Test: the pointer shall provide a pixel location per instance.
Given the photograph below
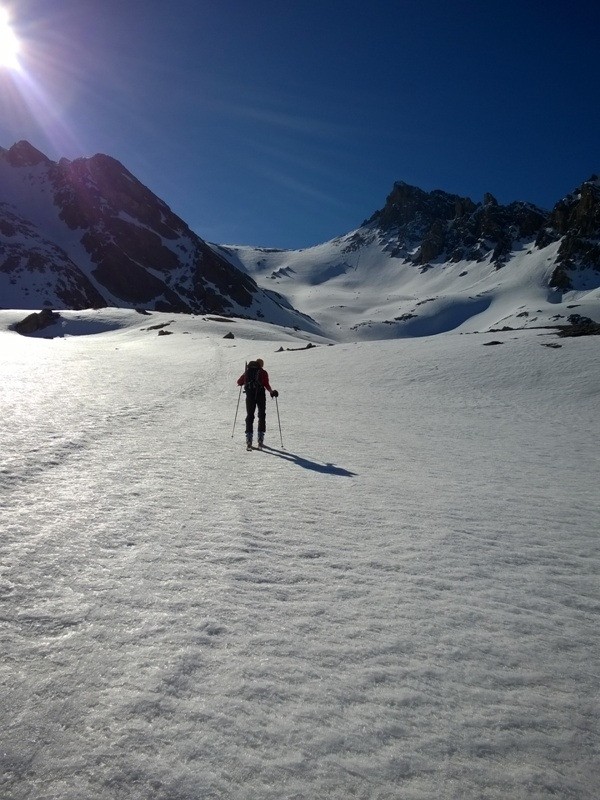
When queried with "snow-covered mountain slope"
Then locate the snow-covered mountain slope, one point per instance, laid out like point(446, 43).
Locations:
point(362, 292)
point(433, 262)
point(87, 233)
point(401, 602)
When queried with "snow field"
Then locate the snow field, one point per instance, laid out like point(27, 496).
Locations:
point(403, 602)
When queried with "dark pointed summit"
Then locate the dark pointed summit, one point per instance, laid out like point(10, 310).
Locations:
point(23, 154)
point(407, 205)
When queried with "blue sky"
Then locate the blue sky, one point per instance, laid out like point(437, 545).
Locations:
point(285, 125)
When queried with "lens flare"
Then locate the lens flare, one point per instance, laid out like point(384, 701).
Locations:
point(9, 44)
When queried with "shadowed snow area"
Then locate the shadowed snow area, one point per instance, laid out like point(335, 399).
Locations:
point(401, 600)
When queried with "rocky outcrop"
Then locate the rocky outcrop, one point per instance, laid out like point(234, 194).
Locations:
point(139, 246)
point(36, 322)
point(492, 230)
point(419, 220)
point(575, 221)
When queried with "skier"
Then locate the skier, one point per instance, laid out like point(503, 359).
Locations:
point(255, 381)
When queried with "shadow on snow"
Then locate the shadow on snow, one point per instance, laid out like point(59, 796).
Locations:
point(328, 469)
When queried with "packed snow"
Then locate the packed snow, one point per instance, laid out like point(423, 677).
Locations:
point(398, 599)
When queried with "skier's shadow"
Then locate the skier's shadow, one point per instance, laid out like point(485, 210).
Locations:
point(328, 469)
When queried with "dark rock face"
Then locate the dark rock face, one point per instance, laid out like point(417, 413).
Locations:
point(419, 219)
point(575, 221)
point(493, 228)
point(408, 205)
point(431, 225)
point(115, 242)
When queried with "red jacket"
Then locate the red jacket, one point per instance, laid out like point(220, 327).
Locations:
point(263, 376)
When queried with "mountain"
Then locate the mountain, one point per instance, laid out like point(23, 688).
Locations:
point(428, 262)
point(86, 233)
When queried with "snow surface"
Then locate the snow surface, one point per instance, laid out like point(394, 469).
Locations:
point(355, 288)
point(400, 603)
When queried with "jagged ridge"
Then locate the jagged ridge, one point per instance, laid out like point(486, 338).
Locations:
point(429, 226)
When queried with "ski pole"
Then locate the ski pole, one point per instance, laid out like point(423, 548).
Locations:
point(279, 421)
point(236, 412)
point(238, 402)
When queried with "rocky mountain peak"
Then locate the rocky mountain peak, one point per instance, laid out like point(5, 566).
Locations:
point(407, 205)
point(579, 210)
point(23, 154)
point(425, 227)
point(119, 244)
point(489, 200)
point(437, 225)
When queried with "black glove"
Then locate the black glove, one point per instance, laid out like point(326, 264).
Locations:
point(274, 393)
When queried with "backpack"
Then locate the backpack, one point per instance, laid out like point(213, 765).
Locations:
point(253, 384)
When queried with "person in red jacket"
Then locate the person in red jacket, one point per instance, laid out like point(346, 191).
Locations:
point(255, 381)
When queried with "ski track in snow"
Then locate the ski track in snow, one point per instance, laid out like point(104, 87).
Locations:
point(403, 603)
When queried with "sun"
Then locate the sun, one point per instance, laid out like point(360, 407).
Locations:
point(9, 44)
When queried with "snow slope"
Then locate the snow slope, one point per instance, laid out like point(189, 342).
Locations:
point(402, 602)
point(356, 289)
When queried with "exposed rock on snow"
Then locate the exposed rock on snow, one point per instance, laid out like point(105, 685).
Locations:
point(580, 326)
point(36, 322)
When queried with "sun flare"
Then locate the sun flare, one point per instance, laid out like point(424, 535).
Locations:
point(9, 44)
